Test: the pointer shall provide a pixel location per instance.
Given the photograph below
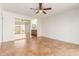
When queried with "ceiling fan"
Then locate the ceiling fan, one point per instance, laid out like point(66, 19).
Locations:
point(41, 9)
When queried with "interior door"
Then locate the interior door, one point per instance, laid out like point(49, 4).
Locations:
point(27, 30)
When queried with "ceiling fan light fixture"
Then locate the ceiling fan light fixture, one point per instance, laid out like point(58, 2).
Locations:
point(40, 11)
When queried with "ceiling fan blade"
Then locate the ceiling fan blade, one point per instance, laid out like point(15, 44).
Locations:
point(47, 8)
point(40, 6)
point(44, 12)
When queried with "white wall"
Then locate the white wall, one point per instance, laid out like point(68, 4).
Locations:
point(64, 26)
point(39, 27)
point(9, 24)
point(0, 25)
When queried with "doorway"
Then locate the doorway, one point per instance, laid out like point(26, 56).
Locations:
point(22, 29)
point(34, 28)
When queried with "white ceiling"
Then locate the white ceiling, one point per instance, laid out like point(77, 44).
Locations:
point(24, 8)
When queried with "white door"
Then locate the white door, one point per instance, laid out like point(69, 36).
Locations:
point(27, 30)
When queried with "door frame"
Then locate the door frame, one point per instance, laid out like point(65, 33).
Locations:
point(26, 20)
